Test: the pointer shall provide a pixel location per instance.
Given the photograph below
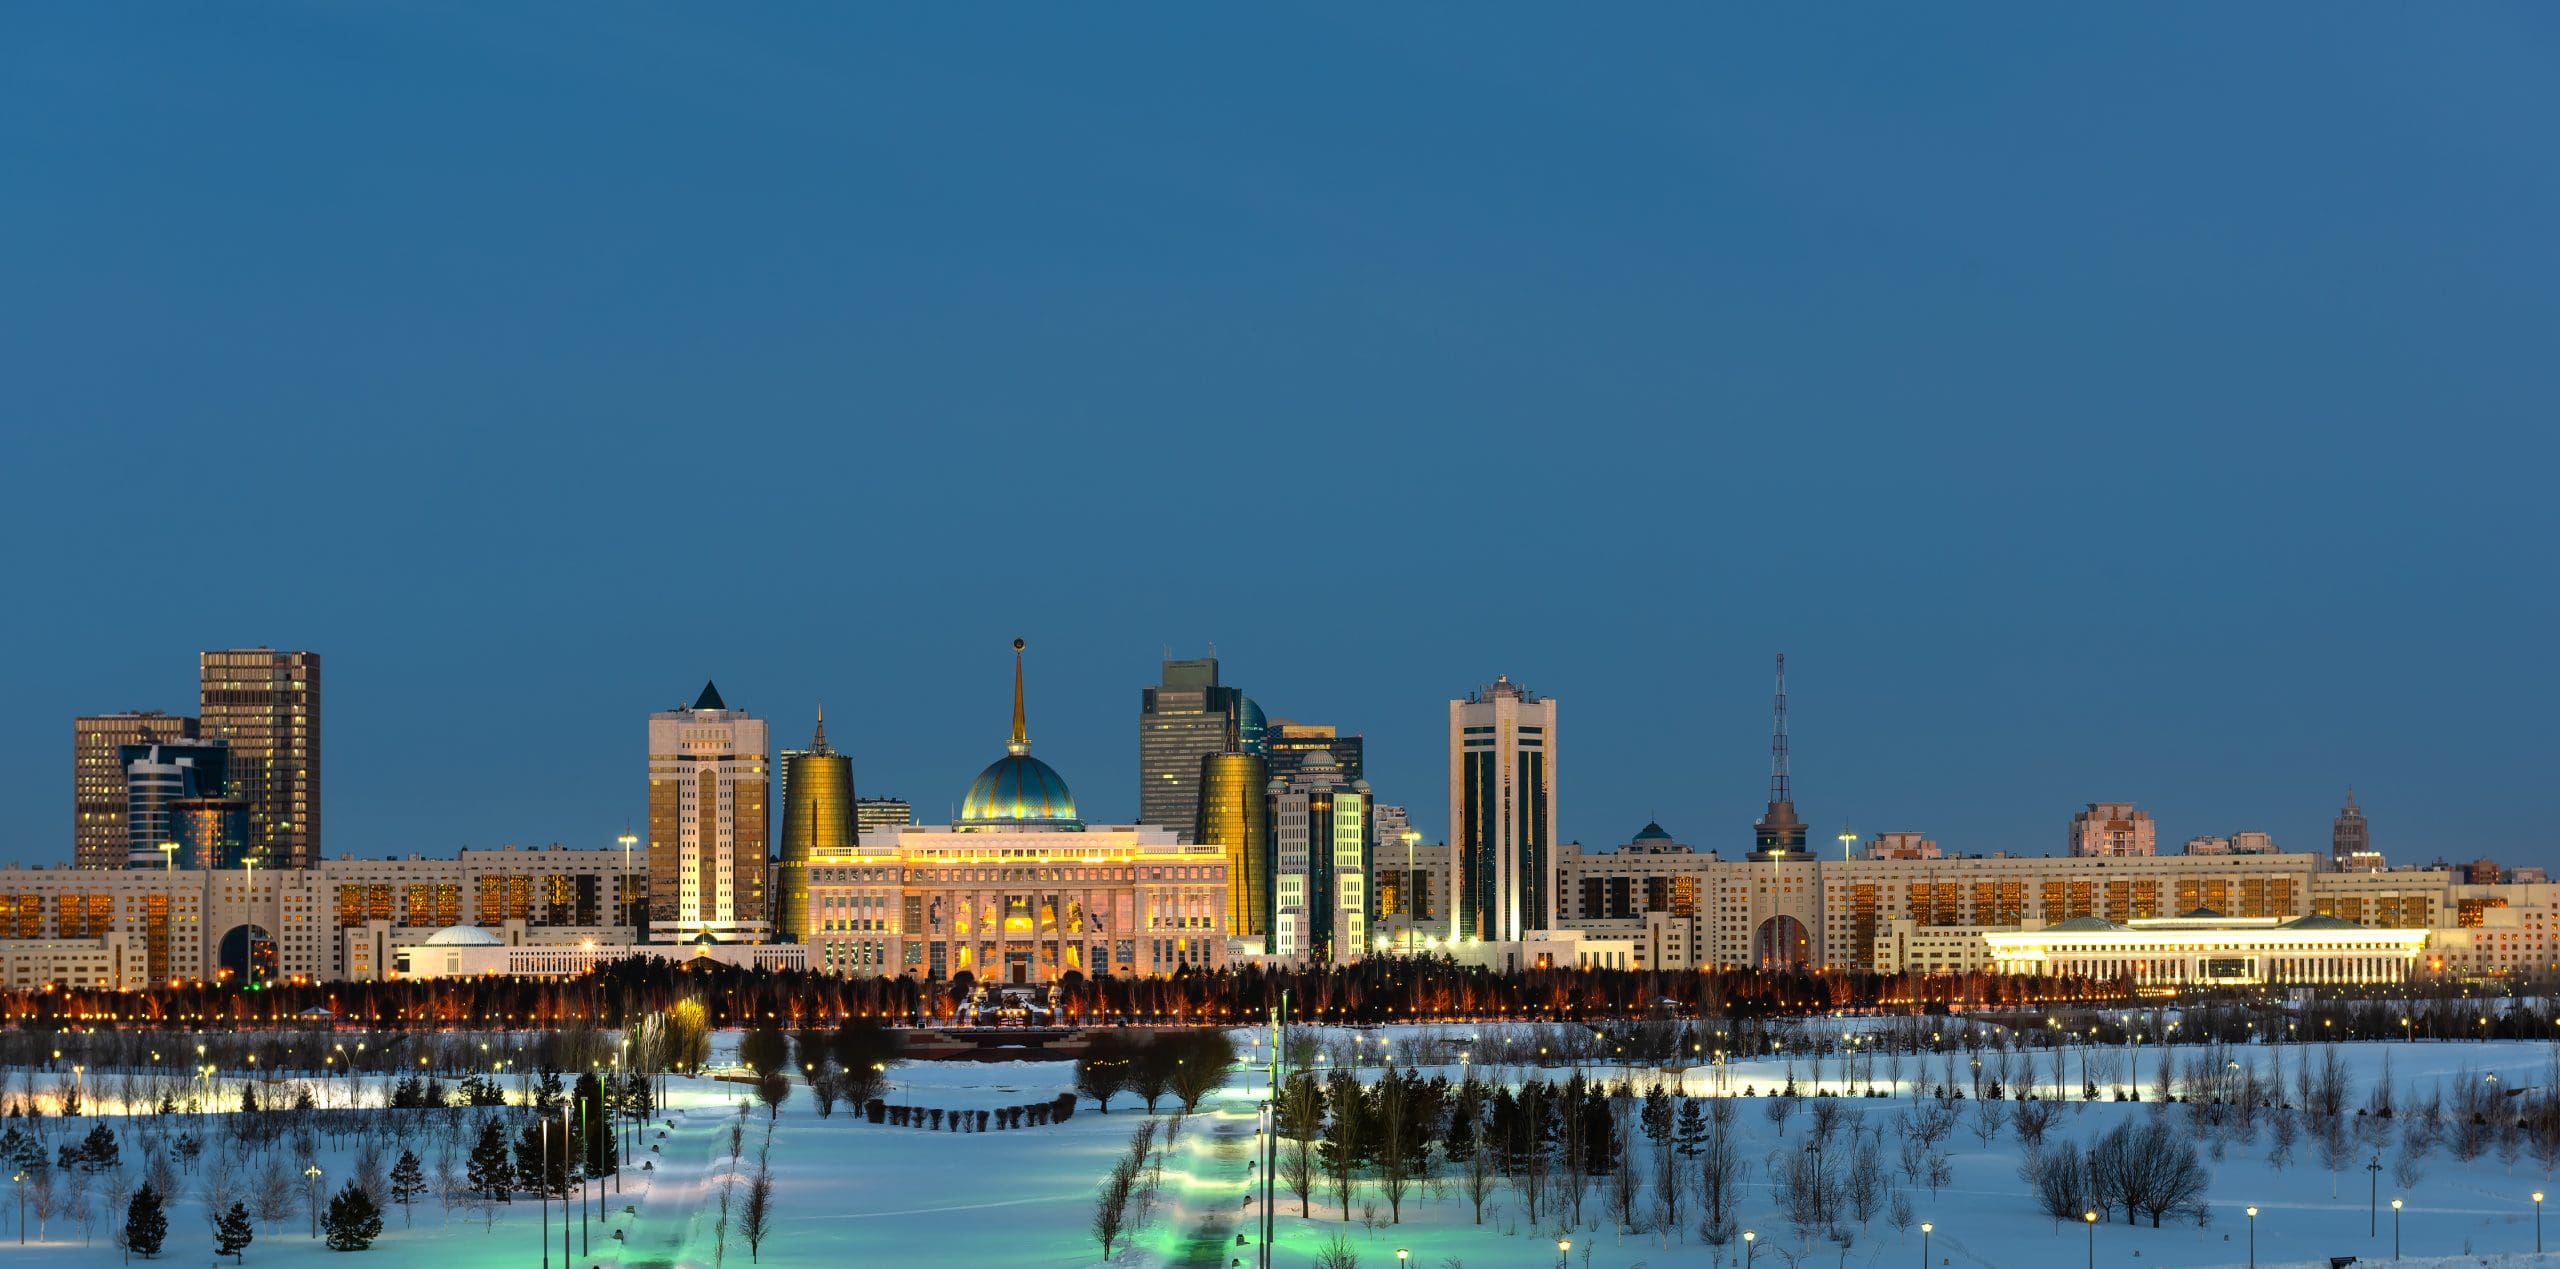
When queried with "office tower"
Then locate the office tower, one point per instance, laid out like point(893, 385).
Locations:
point(1320, 863)
point(817, 823)
point(267, 705)
point(1779, 831)
point(1502, 810)
point(210, 832)
point(2351, 840)
point(873, 814)
point(1289, 744)
point(708, 784)
point(2112, 830)
point(1398, 891)
point(1180, 721)
point(98, 838)
point(1235, 816)
point(156, 775)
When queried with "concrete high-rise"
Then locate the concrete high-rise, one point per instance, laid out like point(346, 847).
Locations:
point(1290, 743)
point(1320, 864)
point(1235, 817)
point(2351, 840)
point(817, 822)
point(870, 815)
point(98, 798)
point(1502, 811)
point(1180, 721)
point(267, 705)
point(709, 782)
point(2113, 830)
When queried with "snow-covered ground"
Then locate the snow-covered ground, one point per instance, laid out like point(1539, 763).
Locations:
point(850, 1193)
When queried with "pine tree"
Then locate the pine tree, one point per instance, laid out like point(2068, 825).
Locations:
point(546, 1091)
point(98, 1149)
point(146, 1224)
point(1656, 1117)
point(408, 1182)
point(232, 1233)
point(353, 1221)
point(488, 1171)
point(1689, 1136)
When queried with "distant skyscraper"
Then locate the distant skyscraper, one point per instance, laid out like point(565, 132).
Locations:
point(2113, 829)
point(817, 822)
point(1235, 815)
point(1779, 830)
point(2351, 840)
point(156, 776)
point(1405, 882)
point(267, 704)
point(1502, 811)
point(1290, 743)
point(870, 814)
point(211, 832)
point(1181, 721)
point(98, 780)
point(708, 789)
point(1321, 857)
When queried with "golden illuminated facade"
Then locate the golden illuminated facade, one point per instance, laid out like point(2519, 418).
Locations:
point(1234, 818)
point(267, 705)
point(708, 782)
point(817, 822)
point(2207, 949)
point(1019, 890)
point(98, 791)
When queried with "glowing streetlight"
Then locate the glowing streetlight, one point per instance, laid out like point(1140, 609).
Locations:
point(2253, 1238)
point(2090, 1218)
point(1750, 1244)
point(2395, 1229)
point(1925, 1228)
point(1563, 1245)
point(311, 1178)
point(2537, 1222)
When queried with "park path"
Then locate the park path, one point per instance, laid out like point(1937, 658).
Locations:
point(676, 1188)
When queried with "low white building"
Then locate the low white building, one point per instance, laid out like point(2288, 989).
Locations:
point(470, 951)
point(2206, 949)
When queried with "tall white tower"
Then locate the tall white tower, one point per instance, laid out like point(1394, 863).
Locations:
point(1502, 812)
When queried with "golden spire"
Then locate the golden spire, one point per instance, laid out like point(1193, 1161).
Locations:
point(1021, 742)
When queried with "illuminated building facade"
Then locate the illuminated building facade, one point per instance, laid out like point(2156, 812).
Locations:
point(2113, 830)
point(1019, 889)
point(99, 799)
point(1290, 744)
point(1236, 818)
point(1502, 811)
point(1182, 720)
point(2207, 949)
point(817, 820)
point(1320, 863)
point(267, 705)
point(709, 781)
point(158, 775)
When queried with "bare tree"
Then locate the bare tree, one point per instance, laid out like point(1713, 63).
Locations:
point(755, 1220)
point(2059, 1179)
point(1866, 1183)
point(1990, 1115)
point(272, 1200)
point(1626, 1180)
point(2031, 1118)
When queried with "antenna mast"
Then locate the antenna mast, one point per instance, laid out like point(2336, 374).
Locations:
point(1781, 789)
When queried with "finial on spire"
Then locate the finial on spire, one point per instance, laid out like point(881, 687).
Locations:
point(818, 743)
point(1021, 742)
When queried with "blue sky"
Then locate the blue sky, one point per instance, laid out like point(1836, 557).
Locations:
point(2094, 405)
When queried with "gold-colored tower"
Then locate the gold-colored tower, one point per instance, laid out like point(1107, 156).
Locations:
point(817, 822)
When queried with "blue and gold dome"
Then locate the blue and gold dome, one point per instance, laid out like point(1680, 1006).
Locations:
point(1017, 791)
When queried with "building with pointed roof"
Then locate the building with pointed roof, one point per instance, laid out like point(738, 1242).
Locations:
point(710, 777)
point(817, 819)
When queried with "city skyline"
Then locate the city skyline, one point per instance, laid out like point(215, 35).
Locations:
point(2082, 430)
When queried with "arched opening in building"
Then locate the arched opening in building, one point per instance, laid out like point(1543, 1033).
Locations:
point(247, 955)
point(1782, 943)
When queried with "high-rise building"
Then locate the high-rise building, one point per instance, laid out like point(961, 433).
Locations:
point(98, 799)
point(2351, 840)
point(1400, 886)
point(267, 704)
point(1235, 816)
point(1291, 743)
point(1320, 864)
point(817, 822)
point(708, 787)
point(873, 814)
point(1502, 811)
point(1180, 721)
point(2113, 830)
point(156, 776)
point(211, 833)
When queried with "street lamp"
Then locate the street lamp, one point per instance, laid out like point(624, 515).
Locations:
point(2395, 1229)
point(2372, 1194)
point(2253, 1238)
point(2090, 1218)
point(628, 908)
point(2537, 1222)
point(1401, 1253)
point(1925, 1228)
point(21, 1179)
point(311, 1181)
point(1750, 1244)
point(1563, 1245)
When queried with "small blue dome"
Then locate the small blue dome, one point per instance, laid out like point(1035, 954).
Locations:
point(1019, 790)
